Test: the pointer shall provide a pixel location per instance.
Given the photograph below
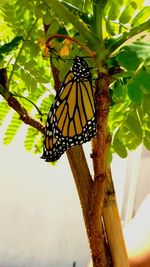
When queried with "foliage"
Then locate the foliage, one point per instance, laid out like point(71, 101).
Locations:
point(22, 53)
point(4, 109)
point(12, 129)
point(129, 115)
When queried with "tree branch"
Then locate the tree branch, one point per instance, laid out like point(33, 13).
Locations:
point(14, 103)
point(24, 116)
point(99, 154)
point(113, 225)
point(83, 180)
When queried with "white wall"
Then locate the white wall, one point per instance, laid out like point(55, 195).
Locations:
point(40, 216)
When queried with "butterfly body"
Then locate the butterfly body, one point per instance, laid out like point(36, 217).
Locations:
point(71, 120)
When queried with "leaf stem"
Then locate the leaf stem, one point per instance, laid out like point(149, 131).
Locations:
point(39, 111)
point(24, 116)
point(98, 8)
point(20, 51)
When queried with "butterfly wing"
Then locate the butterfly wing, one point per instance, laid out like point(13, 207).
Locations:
point(74, 113)
point(71, 120)
point(53, 148)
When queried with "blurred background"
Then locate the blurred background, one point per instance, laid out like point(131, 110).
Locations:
point(41, 220)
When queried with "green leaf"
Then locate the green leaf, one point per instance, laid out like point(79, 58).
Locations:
point(133, 123)
point(47, 18)
point(112, 62)
point(115, 118)
point(148, 124)
point(120, 91)
point(53, 28)
point(117, 114)
point(1, 57)
point(4, 109)
point(142, 50)
point(61, 30)
point(146, 104)
point(78, 6)
point(142, 16)
point(46, 103)
point(110, 27)
point(119, 148)
point(128, 59)
point(128, 12)
point(109, 155)
point(108, 11)
point(12, 129)
point(85, 13)
point(132, 55)
point(33, 141)
point(138, 86)
point(31, 138)
point(146, 140)
point(114, 11)
point(135, 93)
point(6, 48)
point(64, 69)
point(133, 143)
point(143, 80)
point(29, 64)
point(32, 70)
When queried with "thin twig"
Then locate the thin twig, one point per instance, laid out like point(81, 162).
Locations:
point(89, 51)
point(21, 96)
point(24, 116)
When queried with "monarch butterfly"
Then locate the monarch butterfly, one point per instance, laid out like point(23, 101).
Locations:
point(71, 120)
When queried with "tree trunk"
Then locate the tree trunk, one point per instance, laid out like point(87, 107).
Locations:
point(97, 195)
